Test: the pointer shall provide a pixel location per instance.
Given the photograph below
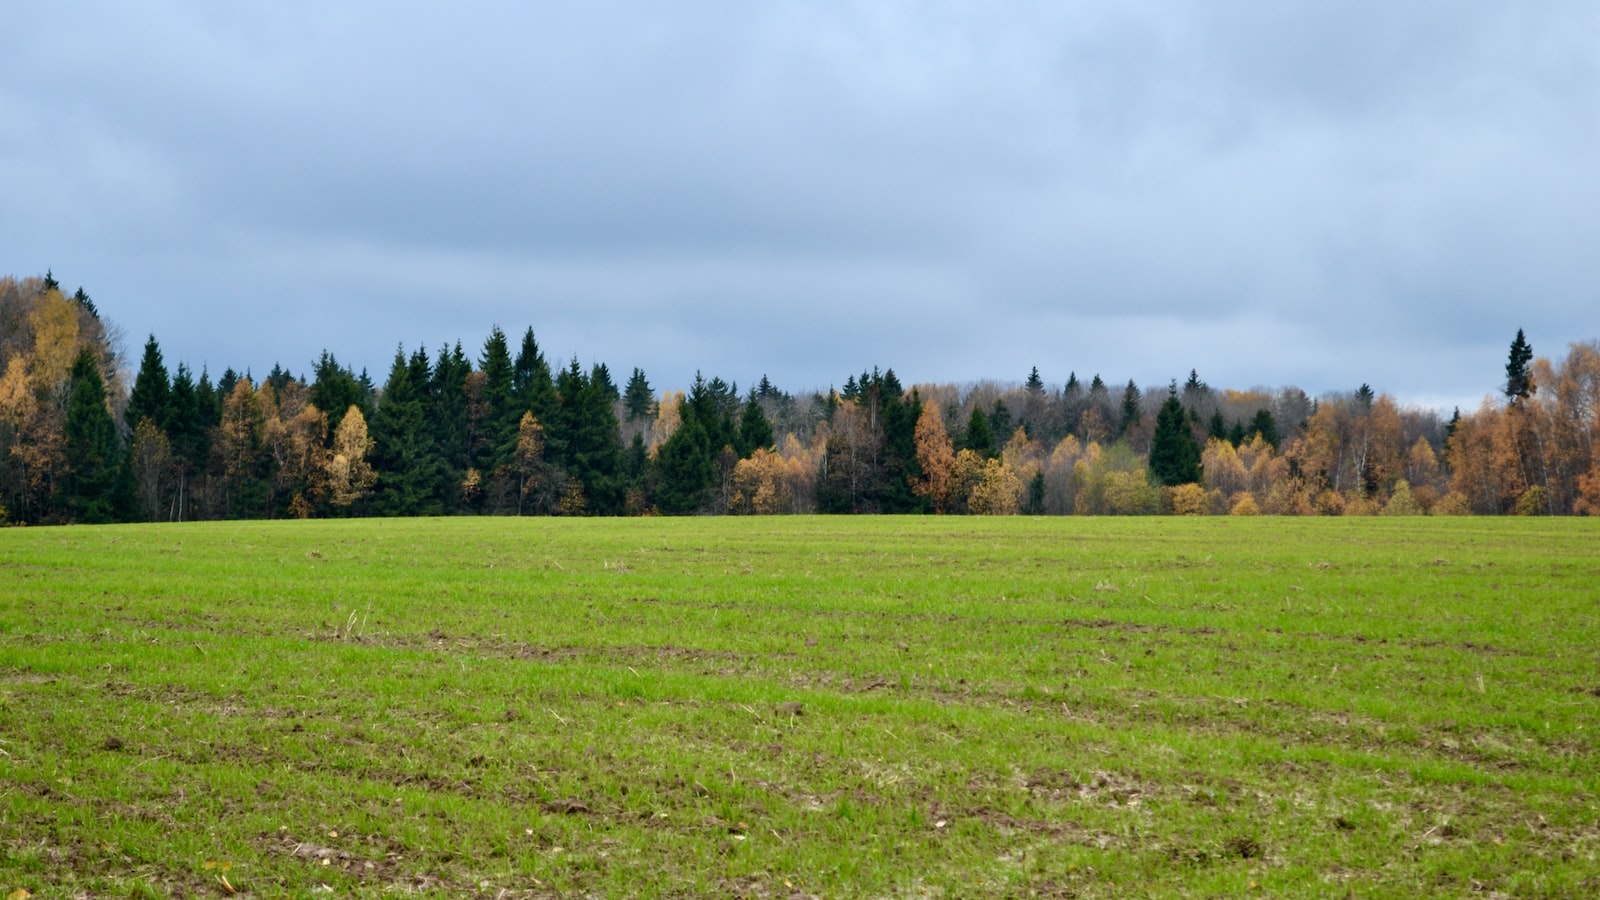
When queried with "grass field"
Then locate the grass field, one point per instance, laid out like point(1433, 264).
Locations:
point(803, 707)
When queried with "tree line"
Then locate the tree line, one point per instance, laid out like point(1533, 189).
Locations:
point(504, 432)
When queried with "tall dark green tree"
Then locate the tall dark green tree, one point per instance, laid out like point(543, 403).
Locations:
point(979, 439)
point(1000, 427)
point(404, 456)
point(151, 397)
point(686, 464)
point(755, 431)
point(533, 387)
point(97, 487)
point(686, 469)
point(1034, 384)
point(1519, 384)
point(1174, 454)
point(1131, 398)
point(1265, 425)
point(499, 414)
point(590, 444)
point(638, 399)
point(334, 389)
point(449, 417)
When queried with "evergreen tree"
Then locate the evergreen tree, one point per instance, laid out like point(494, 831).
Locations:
point(979, 439)
point(638, 399)
point(1033, 503)
point(96, 487)
point(151, 397)
point(409, 469)
point(532, 385)
point(1519, 385)
point(500, 413)
point(1000, 427)
point(585, 438)
point(1217, 427)
point(1265, 425)
point(1364, 397)
point(755, 432)
point(1174, 455)
point(448, 415)
point(279, 378)
point(1034, 384)
point(334, 389)
point(84, 303)
point(686, 469)
point(1131, 398)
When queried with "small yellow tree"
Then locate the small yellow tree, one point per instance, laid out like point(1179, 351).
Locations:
point(350, 477)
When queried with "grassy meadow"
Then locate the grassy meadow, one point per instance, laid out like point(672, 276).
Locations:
point(795, 707)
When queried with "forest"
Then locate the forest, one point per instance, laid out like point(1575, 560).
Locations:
point(88, 435)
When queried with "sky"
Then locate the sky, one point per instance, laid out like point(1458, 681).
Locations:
point(1317, 194)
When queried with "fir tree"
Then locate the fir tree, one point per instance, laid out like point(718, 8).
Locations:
point(1265, 425)
point(1519, 384)
point(409, 470)
point(151, 397)
point(1174, 455)
point(1131, 398)
point(532, 385)
point(1034, 384)
point(755, 432)
point(96, 487)
point(334, 389)
point(638, 399)
point(979, 439)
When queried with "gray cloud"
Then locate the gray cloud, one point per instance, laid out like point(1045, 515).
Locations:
point(1319, 194)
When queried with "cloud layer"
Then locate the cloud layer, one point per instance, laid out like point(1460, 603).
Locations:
point(1319, 194)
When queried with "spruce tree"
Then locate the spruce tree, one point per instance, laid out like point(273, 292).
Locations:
point(686, 469)
point(1131, 398)
point(638, 399)
point(1174, 455)
point(404, 456)
point(1519, 385)
point(755, 432)
point(498, 427)
point(979, 438)
point(334, 389)
point(151, 397)
point(96, 487)
point(532, 385)
point(1265, 425)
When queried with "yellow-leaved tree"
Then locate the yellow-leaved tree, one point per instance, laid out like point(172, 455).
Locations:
point(350, 477)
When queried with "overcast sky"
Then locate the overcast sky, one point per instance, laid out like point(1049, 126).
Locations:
point(1316, 194)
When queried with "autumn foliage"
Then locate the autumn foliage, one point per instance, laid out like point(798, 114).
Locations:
point(84, 439)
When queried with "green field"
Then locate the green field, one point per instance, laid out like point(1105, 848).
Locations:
point(787, 707)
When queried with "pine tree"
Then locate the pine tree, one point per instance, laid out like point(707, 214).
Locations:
point(334, 389)
point(411, 477)
point(755, 432)
point(979, 439)
point(1174, 455)
point(151, 397)
point(498, 426)
point(1519, 385)
point(686, 468)
point(1265, 425)
point(532, 385)
point(96, 487)
point(1131, 398)
point(1034, 384)
point(638, 399)
point(449, 418)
